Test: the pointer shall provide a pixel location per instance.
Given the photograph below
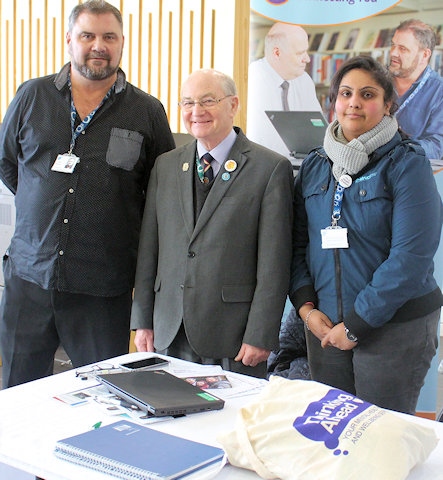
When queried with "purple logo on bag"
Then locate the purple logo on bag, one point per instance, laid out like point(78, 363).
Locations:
point(325, 419)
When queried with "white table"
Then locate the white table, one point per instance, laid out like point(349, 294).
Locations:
point(31, 421)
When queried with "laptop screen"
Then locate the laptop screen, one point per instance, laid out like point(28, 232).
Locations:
point(301, 131)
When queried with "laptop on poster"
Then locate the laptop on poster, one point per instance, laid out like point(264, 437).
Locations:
point(301, 131)
point(160, 393)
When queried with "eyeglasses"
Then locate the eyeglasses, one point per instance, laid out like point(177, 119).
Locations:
point(97, 369)
point(207, 103)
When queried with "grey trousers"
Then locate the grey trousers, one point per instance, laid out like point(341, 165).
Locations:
point(180, 348)
point(34, 322)
point(388, 369)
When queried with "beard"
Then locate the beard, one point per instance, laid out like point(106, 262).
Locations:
point(401, 72)
point(95, 72)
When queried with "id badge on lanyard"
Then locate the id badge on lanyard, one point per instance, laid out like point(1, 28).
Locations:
point(66, 162)
point(335, 236)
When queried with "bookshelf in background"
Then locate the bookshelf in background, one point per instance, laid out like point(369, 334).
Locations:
point(332, 42)
point(316, 42)
point(329, 54)
point(352, 39)
point(437, 60)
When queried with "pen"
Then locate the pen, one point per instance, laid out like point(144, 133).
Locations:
point(96, 425)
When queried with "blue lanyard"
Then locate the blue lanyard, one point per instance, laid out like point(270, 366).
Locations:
point(338, 200)
point(412, 95)
point(85, 122)
point(343, 183)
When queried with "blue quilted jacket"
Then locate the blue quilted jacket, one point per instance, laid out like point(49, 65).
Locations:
point(393, 213)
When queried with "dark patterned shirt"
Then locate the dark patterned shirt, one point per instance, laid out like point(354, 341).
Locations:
point(79, 232)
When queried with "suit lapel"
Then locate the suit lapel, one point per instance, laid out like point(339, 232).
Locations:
point(223, 183)
point(186, 165)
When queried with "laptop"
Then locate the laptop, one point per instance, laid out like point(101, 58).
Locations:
point(160, 393)
point(301, 131)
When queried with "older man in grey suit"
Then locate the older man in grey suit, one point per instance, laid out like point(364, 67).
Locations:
point(215, 246)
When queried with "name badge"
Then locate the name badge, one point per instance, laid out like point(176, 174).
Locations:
point(334, 237)
point(65, 163)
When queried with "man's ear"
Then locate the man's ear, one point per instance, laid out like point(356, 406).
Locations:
point(427, 54)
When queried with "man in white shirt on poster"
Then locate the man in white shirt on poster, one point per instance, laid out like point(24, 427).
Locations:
point(285, 60)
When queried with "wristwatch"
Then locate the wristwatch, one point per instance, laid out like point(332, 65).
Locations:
point(351, 336)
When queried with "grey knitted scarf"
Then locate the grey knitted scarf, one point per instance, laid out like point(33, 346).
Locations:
point(351, 157)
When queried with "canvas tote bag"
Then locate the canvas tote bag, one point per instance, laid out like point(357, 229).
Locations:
point(301, 429)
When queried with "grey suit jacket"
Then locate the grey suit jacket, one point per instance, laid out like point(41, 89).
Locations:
point(226, 276)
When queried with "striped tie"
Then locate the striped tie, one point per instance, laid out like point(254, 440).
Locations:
point(208, 173)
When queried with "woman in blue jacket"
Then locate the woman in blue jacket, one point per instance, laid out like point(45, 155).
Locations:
point(367, 224)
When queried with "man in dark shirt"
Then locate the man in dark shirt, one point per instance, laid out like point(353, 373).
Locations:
point(76, 149)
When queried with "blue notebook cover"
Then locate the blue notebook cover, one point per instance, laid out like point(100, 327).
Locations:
point(130, 451)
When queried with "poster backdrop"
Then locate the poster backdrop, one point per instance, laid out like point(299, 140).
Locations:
point(320, 12)
point(352, 18)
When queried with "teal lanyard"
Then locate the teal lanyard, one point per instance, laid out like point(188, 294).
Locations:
point(412, 95)
point(86, 121)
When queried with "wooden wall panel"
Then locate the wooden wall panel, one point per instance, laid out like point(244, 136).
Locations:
point(165, 40)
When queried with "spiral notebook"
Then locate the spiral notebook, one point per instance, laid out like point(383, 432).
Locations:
point(129, 451)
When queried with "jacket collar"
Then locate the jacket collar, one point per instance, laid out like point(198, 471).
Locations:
point(222, 183)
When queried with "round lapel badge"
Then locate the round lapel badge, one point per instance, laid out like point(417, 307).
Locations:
point(345, 181)
point(226, 176)
point(230, 165)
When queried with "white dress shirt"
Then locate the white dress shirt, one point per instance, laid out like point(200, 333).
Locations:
point(264, 93)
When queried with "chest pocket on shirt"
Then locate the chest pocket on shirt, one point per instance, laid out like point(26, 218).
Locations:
point(317, 180)
point(319, 188)
point(124, 148)
point(375, 202)
point(316, 191)
point(372, 191)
